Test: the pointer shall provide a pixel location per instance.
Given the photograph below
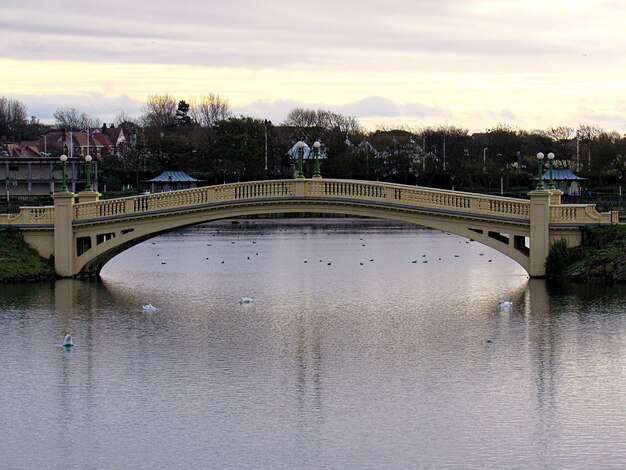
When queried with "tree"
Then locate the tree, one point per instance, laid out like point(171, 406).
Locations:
point(74, 120)
point(182, 114)
point(313, 124)
point(587, 133)
point(561, 136)
point(159, 112)
point(210, 109)
point(13, 118)
point(240, 148)
point(134, 156)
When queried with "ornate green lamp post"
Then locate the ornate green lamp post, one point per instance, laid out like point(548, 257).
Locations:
point(88, 170)
point(63, 176)
point(551, 184)
point(316, 149)
point(300, 145)
point(540, 158)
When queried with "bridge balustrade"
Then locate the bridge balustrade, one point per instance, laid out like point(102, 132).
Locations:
point(32, 215)
point(574, 214)
point(384, 192)
point(254, 190)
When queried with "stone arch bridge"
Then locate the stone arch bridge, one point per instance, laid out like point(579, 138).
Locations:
point(82, 236)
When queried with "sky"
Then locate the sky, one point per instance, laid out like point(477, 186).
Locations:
point(413, 63)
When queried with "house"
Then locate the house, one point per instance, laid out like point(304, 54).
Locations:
point(32, 168)
point(27, 176)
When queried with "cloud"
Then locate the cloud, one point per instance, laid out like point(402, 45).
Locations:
point(245, 33)
point(370, 107)
point(95, 105)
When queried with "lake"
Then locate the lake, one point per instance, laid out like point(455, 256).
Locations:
point(364, 346)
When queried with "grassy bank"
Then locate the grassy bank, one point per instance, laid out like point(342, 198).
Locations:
point(600, 258)
point(19, 262)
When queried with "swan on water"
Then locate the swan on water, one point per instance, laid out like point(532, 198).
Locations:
point(245, 300)
point(149, 308)
point(67, 341)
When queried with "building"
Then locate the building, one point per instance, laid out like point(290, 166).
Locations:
point(565, 180)
point(172, 180)
point(32, 168)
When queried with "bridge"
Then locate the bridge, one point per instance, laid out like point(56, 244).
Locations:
point(83, 235)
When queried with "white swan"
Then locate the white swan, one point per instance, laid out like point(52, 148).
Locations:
point(245, 300)
point(149, 308)
point(67, 341)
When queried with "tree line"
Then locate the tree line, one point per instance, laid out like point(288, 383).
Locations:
point(203, 137)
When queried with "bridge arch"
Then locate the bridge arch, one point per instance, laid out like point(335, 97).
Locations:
point(129, 234)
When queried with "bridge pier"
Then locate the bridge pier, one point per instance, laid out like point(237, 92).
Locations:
point(64, 234)
point(540, 202)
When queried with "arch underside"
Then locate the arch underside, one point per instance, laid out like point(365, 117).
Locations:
point(97, 242)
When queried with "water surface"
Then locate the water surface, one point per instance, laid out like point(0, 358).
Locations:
point(363, 348)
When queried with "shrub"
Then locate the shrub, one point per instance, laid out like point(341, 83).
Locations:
point(558, 259)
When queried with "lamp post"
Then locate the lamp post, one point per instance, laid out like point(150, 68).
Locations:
point(63, 177)
point(540, 156)
point(300, 145)
point(551, 184)
point(485, 160)
point(316, 150)
point(88, 164)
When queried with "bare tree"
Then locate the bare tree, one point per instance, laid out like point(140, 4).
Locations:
point(13, 117)
point(301, 117)
point(323, 121)
point(562, 136)
point(159, 112)
point(72, 119)
point(210, 109)
point(123, 119)
point(587, 133)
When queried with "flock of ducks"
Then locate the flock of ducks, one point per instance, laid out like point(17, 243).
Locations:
point(68, 343)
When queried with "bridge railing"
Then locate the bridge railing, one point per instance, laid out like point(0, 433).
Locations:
point(417, 197)
point(30, 216)
point(342, 189)
point(581, 214)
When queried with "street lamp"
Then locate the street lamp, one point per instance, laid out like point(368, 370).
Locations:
point(540, 156)
point(316, 150)
point(63, 178)
point(551, 184)
point(88, 164)
point(485, 160)
point(300, 145)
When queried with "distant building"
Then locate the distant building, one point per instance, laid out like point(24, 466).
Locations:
point(33, 168)
point(172, 180)
point(565, 180)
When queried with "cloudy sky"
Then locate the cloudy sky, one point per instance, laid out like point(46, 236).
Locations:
point(471, 63)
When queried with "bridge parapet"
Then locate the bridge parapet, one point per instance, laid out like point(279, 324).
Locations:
point(32, 216)
point(418, 197)
point(577, 214)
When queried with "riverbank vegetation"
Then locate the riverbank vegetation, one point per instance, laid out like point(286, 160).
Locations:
point(600, 258)
point(19, 262)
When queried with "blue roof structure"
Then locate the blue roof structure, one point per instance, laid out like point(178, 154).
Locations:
point(173, 177)
point(561, 174)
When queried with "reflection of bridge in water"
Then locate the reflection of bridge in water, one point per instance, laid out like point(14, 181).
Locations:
point(83, 236)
